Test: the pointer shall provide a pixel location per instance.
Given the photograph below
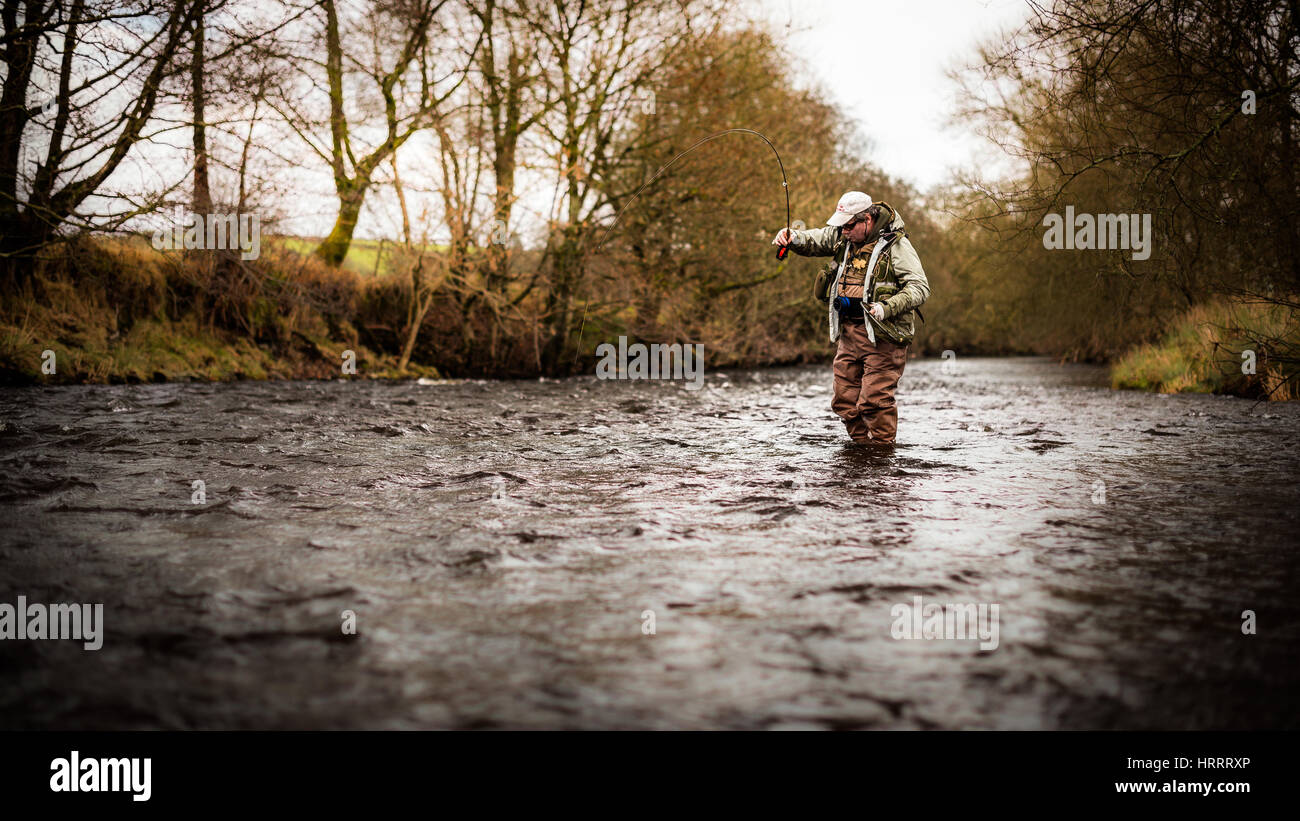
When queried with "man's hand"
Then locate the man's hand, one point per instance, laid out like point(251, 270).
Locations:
point(878, 311)
point(782, 237)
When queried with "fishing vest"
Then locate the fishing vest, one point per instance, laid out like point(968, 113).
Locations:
point(855, 272)
point(883, 283)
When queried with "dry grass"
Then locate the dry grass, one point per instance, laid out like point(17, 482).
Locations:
point(1203, 353)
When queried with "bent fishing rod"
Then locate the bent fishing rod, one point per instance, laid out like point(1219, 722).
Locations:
point(781, 251)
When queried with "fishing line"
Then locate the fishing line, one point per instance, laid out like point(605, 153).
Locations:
point(781, 251)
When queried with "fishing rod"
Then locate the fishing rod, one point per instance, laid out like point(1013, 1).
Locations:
point(781, 251)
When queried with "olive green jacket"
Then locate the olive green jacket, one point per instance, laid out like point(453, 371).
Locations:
point(898, 280)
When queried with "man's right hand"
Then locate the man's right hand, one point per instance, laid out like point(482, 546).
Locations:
point(783, 237)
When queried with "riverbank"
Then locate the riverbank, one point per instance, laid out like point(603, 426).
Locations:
point(111, 310)
point(1227, 347)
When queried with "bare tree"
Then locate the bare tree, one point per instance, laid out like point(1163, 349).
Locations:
point(1188, 111)
point(401, 70)
point(600, 56)
point(515, 100)
point(97, 70)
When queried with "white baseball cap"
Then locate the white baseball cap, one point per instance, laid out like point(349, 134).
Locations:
point(849, 206)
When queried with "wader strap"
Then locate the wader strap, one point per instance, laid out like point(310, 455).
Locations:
point(866, 283)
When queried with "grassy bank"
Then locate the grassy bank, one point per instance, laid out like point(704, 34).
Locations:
point(111, 310)
point(1203, 353)
point(114, 309)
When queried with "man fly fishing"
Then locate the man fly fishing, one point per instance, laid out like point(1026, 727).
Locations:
point(872, 287)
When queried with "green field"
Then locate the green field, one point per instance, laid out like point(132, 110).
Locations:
point(367, 257)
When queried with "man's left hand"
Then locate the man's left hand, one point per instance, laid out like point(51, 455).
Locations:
point(878, 311)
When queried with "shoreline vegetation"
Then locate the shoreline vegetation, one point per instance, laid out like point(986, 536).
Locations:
point(1224, 348)
point(487, 190)
point(115, 311)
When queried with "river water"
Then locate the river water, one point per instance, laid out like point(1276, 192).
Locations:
point(506, 549)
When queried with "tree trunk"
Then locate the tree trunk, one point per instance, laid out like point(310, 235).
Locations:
point(413, 330)
point(401, 201)
point(202, 186)
point(335, 247)
point(503, 166)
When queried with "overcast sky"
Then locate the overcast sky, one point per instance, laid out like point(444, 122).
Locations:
point(920, 40)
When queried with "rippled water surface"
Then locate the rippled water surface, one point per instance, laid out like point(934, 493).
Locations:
point(501, 542)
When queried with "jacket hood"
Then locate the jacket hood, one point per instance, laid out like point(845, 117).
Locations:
point(897, 222)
